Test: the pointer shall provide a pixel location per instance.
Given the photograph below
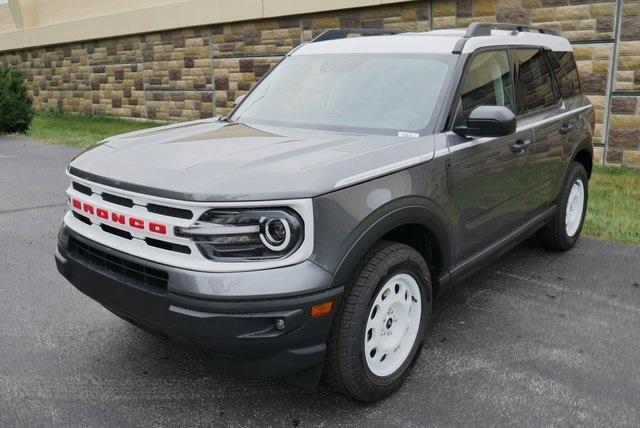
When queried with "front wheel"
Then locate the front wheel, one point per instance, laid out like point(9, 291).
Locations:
point(564, 229)
point(381, 322)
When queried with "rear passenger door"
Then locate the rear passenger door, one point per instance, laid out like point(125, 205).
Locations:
point(488, 176)
point(542, 109)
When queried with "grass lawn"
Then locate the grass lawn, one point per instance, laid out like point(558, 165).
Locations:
point(614, 194)
point(614, 205)
point(80, 131)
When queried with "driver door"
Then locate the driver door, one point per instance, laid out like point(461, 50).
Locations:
point(488, 176)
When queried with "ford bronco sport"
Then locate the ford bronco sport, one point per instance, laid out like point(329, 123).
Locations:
point(307, 233)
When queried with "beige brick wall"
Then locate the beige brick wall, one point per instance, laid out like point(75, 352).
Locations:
point(198, 72)
point(628, 73)
point(594, 66)
point(183, 74)
point(578, 20)
point(624, 134)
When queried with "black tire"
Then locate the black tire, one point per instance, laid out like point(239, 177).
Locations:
point(554, 236)
point(346, 369)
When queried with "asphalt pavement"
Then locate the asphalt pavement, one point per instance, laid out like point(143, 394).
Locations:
point(538, 338)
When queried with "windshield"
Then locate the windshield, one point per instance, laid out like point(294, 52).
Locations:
point(387, 94)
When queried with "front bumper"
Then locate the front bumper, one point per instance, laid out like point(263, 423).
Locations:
point(239, 333)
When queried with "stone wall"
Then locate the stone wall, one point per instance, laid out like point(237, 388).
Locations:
point(623, 142)
point(199, 72)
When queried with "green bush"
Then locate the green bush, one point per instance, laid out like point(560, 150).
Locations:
point(15, 105)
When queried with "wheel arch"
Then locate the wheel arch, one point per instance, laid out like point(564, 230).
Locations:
point(414, 222)
point(583, 154)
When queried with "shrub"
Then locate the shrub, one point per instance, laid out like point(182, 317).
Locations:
point(15, 105)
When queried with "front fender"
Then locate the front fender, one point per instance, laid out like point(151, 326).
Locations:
point(409, 210)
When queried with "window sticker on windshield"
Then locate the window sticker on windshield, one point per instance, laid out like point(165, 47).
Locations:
point(406, 134)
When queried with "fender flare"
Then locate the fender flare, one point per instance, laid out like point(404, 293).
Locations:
point(585, 144)
point(410, 210)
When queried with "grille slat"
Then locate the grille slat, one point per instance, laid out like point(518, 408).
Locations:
point(134, 272)
point(170, 211)
point(118, 200)
point(115, 231)
point(82, 188)
point(170, 246)
point(82, 218)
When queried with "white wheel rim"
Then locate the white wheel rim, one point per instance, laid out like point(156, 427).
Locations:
point(392, 325)
point(575, 207)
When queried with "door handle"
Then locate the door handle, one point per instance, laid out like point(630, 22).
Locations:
point(565, 128)
point(520, 145)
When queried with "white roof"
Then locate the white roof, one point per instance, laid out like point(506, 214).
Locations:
point(438, 41)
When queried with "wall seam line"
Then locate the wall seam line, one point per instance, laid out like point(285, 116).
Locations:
point(212, 71)
point(86, 52)
point(143, 41)
point(613, 70)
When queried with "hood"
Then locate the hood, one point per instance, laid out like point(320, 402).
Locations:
point(210, 160)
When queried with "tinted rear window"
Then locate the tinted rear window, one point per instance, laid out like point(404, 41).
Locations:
point(535, 80)
point(564, 68)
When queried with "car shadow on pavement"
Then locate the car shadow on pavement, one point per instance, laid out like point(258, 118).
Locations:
point(521, 341)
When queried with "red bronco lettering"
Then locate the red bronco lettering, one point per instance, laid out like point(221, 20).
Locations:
point(115, 217)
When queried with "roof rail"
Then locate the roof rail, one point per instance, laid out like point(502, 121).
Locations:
point(343, 33)
point(484, 29)
point(477, 29)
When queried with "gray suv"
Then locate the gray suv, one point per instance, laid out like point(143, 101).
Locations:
point(307, 234)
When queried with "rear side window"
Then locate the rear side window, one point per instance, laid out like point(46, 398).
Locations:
point(535, 80)
point(487, 82)
point(566, 73)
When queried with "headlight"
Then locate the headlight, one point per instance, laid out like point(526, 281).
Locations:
point(246, 234)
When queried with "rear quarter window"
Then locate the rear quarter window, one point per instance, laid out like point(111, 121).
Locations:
point(566, 73)
point(535, 80)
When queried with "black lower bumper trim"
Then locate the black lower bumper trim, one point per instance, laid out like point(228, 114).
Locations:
point(239, 334)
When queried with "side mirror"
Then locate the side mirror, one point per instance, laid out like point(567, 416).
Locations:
point(488, 121)
point(239, 99)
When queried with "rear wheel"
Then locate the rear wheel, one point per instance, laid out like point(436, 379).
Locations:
point(380, 324)
point(564, 229)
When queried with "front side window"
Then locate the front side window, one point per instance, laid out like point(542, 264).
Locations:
point(535, 80)
point(487, 82)
point(376, 93)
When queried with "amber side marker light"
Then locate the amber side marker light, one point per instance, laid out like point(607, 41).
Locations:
point(321, 309)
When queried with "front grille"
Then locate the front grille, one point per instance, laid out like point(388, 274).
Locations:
point(128, 202)
point(135, 273)
point(157, 243)
point(160, 209)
